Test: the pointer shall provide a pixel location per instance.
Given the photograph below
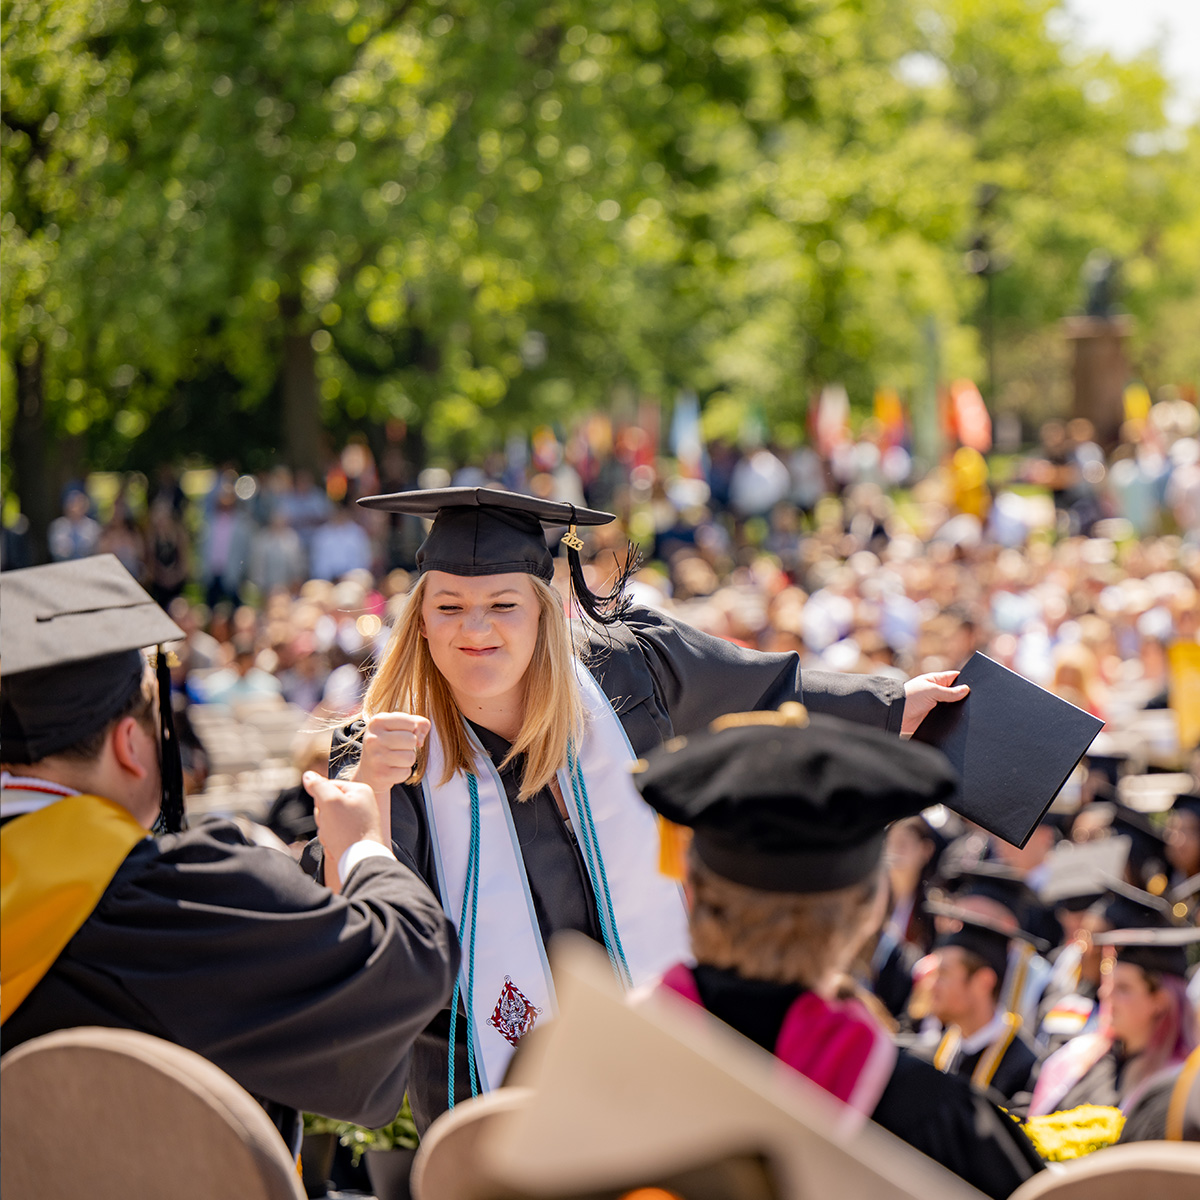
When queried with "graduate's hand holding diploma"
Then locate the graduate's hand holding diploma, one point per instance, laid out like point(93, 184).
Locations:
point(346, 813)
point(390, 743)
point(924, 692)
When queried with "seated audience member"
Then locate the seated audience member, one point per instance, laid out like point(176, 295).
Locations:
point(308, 998)
point(1077, 888)
point(981, 1038)
point(1147, 1024)
point(784, 871)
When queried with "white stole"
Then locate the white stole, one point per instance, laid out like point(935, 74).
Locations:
point(513, 988)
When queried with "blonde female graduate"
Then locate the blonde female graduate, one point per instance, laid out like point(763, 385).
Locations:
point(504, 740)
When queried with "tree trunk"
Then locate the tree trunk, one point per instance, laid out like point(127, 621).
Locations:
point(32, 478)
point(302, 432)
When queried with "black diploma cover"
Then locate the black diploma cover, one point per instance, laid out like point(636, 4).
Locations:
point(1013, 744)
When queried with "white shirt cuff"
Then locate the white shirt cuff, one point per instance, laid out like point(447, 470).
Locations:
point(355, 853)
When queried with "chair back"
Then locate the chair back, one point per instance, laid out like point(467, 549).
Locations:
point(1150, 1170)
point(113, 1114)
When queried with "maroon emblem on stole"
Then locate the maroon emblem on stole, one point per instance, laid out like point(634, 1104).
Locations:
point(513, 1016)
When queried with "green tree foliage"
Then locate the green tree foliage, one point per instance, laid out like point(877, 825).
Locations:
point(234, 229)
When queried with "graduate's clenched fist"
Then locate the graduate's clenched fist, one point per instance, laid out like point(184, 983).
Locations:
point(346, 813)
point(390, 743)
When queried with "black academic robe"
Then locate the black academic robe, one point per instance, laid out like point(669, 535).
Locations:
point(1015, 1073)
point(943, 1116)
point(309, 1000)
point(893, 981)
point(663, 678)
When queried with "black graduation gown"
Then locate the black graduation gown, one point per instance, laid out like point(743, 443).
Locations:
point(893, 983)
point(943, 1116)
point(1015, 1073)
point(663, 678)
point(309, 1000)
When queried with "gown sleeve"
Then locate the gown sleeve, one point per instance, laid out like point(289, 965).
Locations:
point(698, 677)
point(957, 1126)
point(307, 998)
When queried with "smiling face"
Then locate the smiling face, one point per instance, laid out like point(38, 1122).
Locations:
point(482, 631)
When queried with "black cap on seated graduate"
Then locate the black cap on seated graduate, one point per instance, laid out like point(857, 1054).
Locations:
point(1148, 847)
point(787, 802)
point(987, 939)
point(1005, 886)
point(485, 531)
point(1127, 907)
point(1162, 949)
point(71, 635)
point(1077, 873)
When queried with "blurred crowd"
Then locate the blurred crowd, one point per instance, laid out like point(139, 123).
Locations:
point(1076, 567)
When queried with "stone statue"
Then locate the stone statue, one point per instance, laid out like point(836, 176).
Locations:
point(1101, 277)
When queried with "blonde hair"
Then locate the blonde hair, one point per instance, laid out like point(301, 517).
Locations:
point(408, 681)
point(780, 937)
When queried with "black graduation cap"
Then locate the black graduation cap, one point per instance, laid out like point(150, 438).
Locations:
point(785, 802)
point(1008, 888)
point(72, 634)
point(1148, 847)
point(486, 531)
point(1129, 907)
point(1162, 948)
point(995, 881)
point(980, 935)
point(1077, 873)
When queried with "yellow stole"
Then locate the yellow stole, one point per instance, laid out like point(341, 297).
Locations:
point(54, 866)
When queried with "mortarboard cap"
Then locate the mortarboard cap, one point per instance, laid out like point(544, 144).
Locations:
point(1077, 873)
point(1148, 847)
point(68, 612)
point(1161, 948)
point(979, 935)
point(1129, 907)
point(1114, 753)
point(71, 634)
point(784, 802)
point(1013, 743)
point(484, 531)
point(997, 882)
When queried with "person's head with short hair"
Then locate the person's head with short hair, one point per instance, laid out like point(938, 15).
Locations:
point(789, 814)
point(77, 703)
point(966, 989)
point(972, 960)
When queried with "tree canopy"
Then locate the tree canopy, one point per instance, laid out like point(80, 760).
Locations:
point(232, 230)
